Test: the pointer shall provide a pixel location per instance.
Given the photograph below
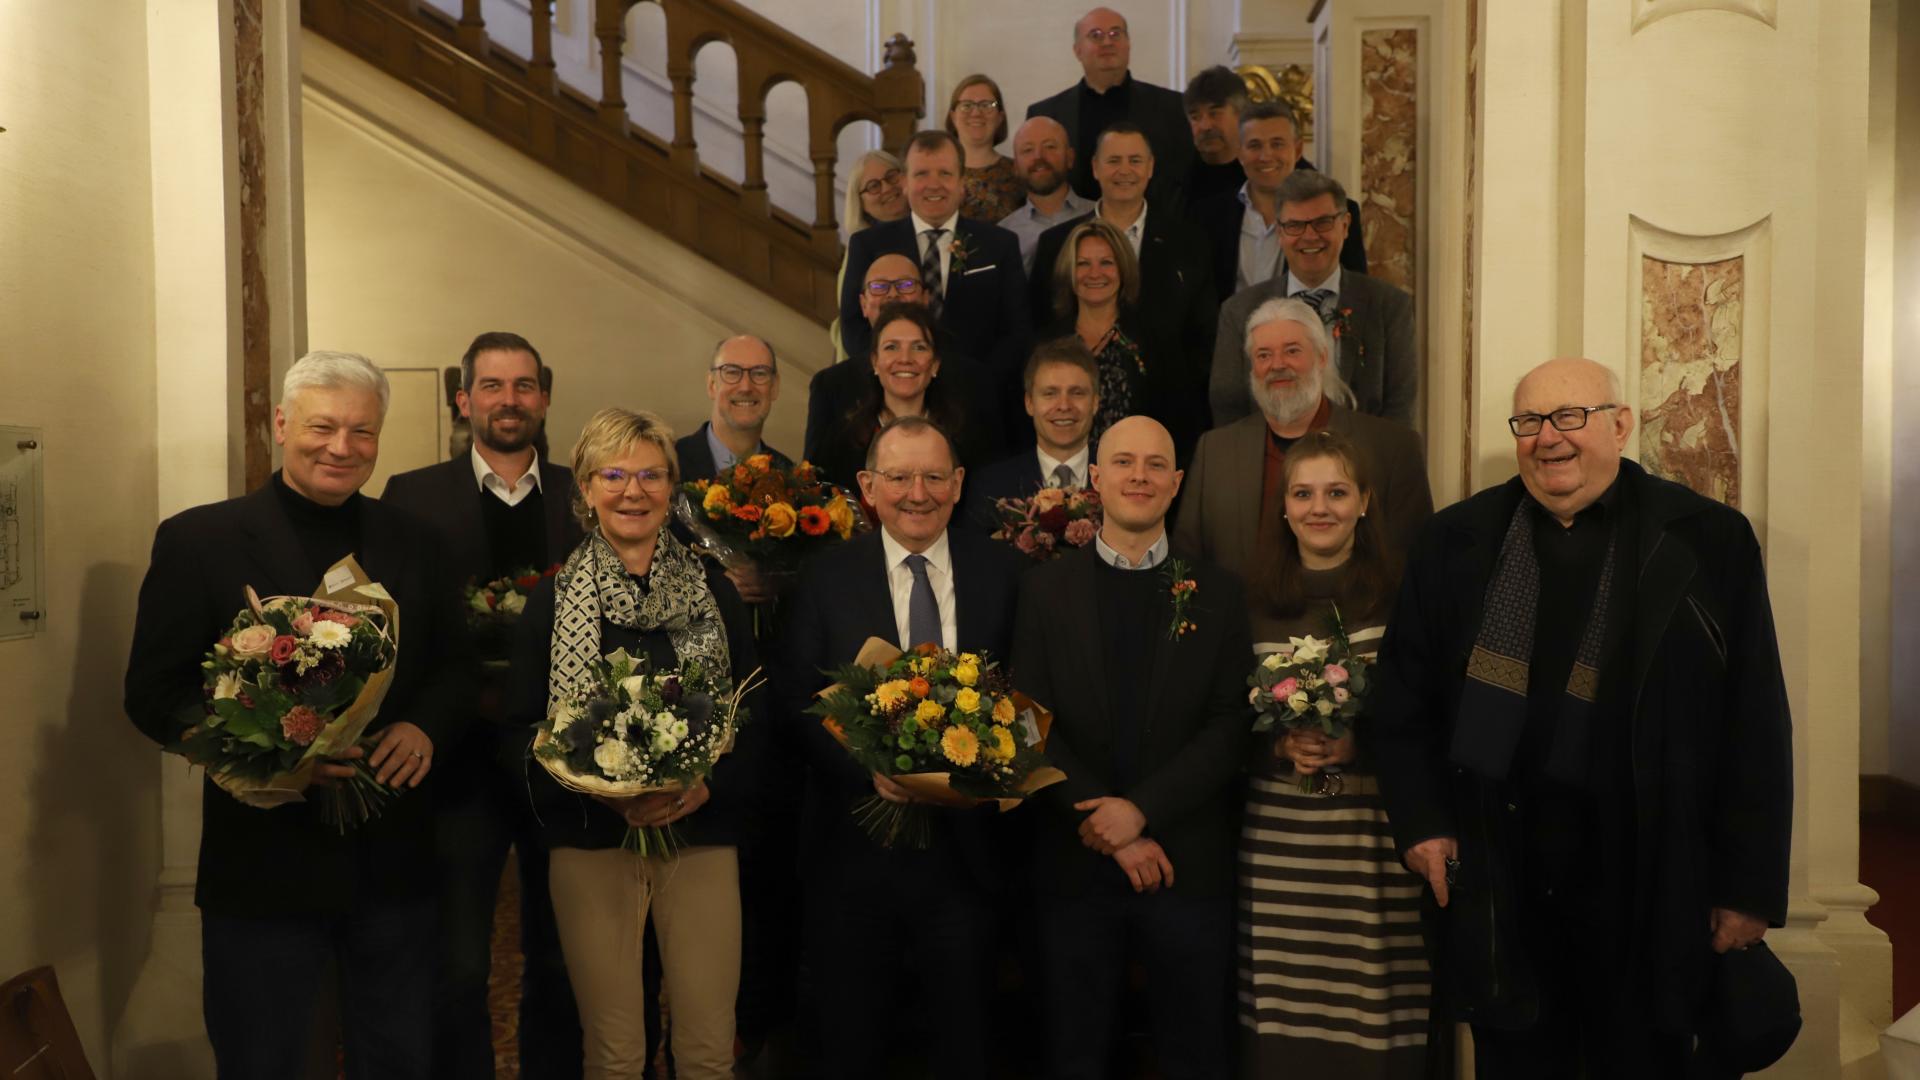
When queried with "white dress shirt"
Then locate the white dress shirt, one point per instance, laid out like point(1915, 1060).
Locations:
point(1133, 232)
point(920, 227)
point(1078, 463)
point(900, 584)
point(1155, 555)
point(1332, 284)
point(489, 480)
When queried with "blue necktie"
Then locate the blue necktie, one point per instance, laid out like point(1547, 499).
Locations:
point(923, 611)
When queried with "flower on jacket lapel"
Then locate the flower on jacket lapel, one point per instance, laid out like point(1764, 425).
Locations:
point(957, 255)
point(1339, 324)
point(1181, 587)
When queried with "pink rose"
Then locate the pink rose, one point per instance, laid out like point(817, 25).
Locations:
point(283, 648)
point(1285, 688)
point(1334, 674)
point(252, 643)
point(1080, 533)
point(341, 617)
point(303, 623)
point(1025, 541)
point(301, 724)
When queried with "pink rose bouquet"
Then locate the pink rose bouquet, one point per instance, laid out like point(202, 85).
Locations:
point(1048, 521)
point(1312, 685)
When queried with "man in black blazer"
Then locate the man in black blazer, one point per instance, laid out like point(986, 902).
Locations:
point(1062, 395)
point(911, 580)
point(743, 382)
point(971, 271)
point(1107, 93)
point(282, 890)
point(500, 511)
point(1134, 851)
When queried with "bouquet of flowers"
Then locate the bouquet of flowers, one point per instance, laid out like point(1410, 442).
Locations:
point(1314, 685)
point(1048, 520)
point(625, 730)
point(293, 682)
point(950, 728)
point(769, 516)
point(494, 606)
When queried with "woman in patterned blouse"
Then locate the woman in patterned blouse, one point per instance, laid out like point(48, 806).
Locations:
point(977, 116)
point(1096, 284)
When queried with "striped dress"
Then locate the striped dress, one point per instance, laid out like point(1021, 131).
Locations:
point(1334, 980)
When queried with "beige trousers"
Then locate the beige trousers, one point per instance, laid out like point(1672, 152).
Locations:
point(601, 900)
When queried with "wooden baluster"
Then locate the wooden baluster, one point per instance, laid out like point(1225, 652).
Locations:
point(685, 152)
point(540, 69)
point(753, 189)
point(826, 238)
point(899, 94)
point(471, 34)
point(609, 25)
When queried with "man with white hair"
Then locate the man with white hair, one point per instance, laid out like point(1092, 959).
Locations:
point(281, 891)
point(1233, 491)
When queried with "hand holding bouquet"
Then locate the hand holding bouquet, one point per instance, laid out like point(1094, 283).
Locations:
point(948, 728)
point(1314, 685)
point(1049, 521)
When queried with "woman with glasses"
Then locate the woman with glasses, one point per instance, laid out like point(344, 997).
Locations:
point(876, 193)
point(631, 585)
point(977, 116)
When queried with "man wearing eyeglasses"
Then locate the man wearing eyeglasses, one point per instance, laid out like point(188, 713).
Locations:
point(912, 581)
point(743, 382)
point(1371, 320)
point(1582, 737)
point(1108, 93)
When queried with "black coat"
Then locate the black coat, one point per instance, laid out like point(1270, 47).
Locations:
point(696, 457)
point(1161, 114)
point(1014, 477)
point(447, 497)
point(1219, 217)
point(843, 401)
point(1711, 742)
point(1195, 734)
point(287, 860)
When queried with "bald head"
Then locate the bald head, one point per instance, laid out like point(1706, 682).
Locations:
point(1103, 47)
point(1584, 424)
point(1570, 374)
point(1136, 477)
point(1135, 435)
point(893, 269)
point(1042, 156)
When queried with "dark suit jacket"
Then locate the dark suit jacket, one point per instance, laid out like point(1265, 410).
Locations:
point(696, 457)
point(446, 497)
point(1009, 478)
point(1160, 112)
point(1377, 359)
point(843, 599)
point(838, 448)
point(1218, 218)
point(1220, 498)
point(288, 861)
point(1194, 743)
point(1173, 392)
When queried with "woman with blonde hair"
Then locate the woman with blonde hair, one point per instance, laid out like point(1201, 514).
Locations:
point(876, 193)
point(977, 117)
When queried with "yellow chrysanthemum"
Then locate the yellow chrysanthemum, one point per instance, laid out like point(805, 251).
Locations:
point(890, 693)
point(1002, 748)
point(966, 701)
point(960, 746)
point(1003, 711)
point(840, 512)
point(717, 498)
point(929, 711)
point(966, 674)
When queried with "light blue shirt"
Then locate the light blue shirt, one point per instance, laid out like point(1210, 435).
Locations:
point(1155, 555)
point(1260, 255)
point(723, 458)
point(1028, 223)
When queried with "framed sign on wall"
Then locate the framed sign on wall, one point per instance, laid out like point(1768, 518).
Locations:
point(23, 611)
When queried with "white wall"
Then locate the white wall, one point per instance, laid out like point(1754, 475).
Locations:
point(1902, 732)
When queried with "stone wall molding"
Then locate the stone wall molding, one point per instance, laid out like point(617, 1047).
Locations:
point(1648, 12)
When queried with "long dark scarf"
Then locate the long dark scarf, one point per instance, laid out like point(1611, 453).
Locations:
point(1493, 704)
point(594, 585)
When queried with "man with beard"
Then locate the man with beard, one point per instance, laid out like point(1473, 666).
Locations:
point(1042, 157)
point(501, 511)
point(1233, 491)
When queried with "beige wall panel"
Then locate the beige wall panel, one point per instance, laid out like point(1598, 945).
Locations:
point(415, 434)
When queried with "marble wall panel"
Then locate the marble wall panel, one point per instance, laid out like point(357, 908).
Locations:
point(1690, 355)
point(1389, 137)
point(256, 349)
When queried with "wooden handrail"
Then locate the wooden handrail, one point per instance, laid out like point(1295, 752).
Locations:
point(657, 177)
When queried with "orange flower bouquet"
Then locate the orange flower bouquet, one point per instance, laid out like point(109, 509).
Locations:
point(770, 517)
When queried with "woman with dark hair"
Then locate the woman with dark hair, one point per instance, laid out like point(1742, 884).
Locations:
point(977, 117)
point(906, 382)
point(1334, 977)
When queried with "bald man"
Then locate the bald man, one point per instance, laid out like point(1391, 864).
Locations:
point(1134, 851)
point(1581, 733)
point(1107, 92)
point(743, 382)
point(1042, 159)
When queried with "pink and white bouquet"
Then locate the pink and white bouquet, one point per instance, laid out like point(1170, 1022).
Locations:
point(1048, 521)
point(1315, 685)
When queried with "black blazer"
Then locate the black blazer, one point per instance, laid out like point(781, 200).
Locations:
point(1197, 714)
point(843, 599)
point(288, 860)
point(447, 497)
point(696, 457)
point(836, 440)
point(1013, 477)
point(1219, 218)
point(1175, 389)
point(1160, 112)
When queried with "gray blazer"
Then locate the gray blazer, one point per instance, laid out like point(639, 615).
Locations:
point(1376, 357)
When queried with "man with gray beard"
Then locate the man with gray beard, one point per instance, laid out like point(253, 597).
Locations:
point(1233, 500)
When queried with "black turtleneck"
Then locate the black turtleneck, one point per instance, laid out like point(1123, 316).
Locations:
point(327, 533)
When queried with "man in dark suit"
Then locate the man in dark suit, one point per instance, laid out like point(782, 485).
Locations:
point(971, 272)
point(1582, 737)
point(1062, 395)
point(1108, 93)
point(910, 581)
point(1371, 320)
point(282, 892)
point(743, 382)
point(501, 511)
point(1233, 491)
point(1134, 851)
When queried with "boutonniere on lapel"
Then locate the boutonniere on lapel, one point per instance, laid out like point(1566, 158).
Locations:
point(1338, 324)
point(957, 258)
point(1180, 588)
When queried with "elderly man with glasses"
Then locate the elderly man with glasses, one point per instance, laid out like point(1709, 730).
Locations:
point(1581, 733)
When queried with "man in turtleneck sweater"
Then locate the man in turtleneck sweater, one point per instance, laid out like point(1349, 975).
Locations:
point(1134, 851)
point(281, 890)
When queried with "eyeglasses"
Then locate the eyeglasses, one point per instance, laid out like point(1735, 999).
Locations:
point(652, 480)
point(905, 286)
point(899, 481)
point(1116, 35)
point(890, 178)
point(1321, 225)
point(971, 107)
point(1572, 418)
point(730, 374)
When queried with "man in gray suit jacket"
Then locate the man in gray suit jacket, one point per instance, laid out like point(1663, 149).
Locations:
point(1234, 487)
point(1371, 320)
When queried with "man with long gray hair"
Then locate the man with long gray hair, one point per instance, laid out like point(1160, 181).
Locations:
point(281, 892)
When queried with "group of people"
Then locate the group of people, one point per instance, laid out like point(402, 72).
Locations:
point(1564, 806)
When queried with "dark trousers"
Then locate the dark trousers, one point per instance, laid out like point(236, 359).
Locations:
point(1186, 946)
point(263, 978)
point(478, 819)
point(897, 946)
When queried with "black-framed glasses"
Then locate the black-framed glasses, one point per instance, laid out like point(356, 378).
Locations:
point(969, 107)
point(1322, 225)
point(890, 178)
point(905, 286)
point(651, 480)
point(1097, 35)
point(1571, 418)
point(900, 481)
point(761, 374)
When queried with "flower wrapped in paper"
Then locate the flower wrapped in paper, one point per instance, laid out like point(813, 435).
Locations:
point(948, 727)
point(294, 682)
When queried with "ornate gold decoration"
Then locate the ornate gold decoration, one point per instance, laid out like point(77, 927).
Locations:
point(1291, 84)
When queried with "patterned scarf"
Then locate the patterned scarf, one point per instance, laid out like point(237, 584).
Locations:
point(595, 585)
point(1493, 703)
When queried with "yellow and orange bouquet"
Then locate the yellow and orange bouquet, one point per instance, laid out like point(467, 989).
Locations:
point(948, 727)
point(771, 516)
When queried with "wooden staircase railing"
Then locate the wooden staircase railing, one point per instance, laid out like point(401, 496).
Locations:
point(593, 142)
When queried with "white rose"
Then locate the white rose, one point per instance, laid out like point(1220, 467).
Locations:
point(634, 685)
point(664, 742)
point(1324, 707)
point(330, 635)
point(1308, 650)
point(613, 757)
point(227, 686)
point(513, 603)
point(1298, 702)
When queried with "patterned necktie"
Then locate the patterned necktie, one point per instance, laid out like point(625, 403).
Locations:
point(923, 611)
point(1063, 477)
point(1317, 298)
point(930, 271)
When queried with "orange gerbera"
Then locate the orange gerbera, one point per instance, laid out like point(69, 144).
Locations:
point(748, 512)
point(814, 521)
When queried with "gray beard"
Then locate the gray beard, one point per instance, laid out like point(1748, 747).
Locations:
point(1285, 408)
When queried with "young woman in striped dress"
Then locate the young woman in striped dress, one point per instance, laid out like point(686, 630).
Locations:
point(1334, 980)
